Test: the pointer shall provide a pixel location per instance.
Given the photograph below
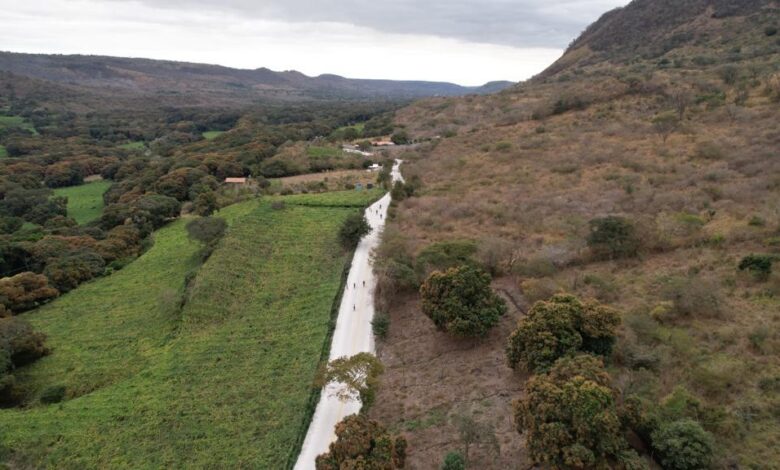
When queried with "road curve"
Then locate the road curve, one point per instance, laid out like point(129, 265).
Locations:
point(352, 335)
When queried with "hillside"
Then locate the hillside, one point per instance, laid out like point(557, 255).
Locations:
point(154, 370)
point(663, 114)
point(212, 83)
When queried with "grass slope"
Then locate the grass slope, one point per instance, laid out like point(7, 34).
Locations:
point(3, 152)
point(17, 122)
point(85, 202)
point(211, 135)
point(223, 382)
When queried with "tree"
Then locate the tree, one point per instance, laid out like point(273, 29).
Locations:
point(569, 416)
point(206, 203)
point(355, 226)
point(362, 443)
point(683, 445)
point(25, 291)
point(400, 138)
point(76, 266)
point(460, 301)
point(612, 237)
point(472, 432)
point(356, 376)
point(560, 327)
point(157, 209)
point(666, 123)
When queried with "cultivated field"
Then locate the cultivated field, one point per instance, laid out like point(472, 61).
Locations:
point(85, 202)
point(225, 380)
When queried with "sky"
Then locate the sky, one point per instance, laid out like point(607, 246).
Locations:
point(469, 42)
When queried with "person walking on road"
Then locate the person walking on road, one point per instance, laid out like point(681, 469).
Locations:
point(364, 283)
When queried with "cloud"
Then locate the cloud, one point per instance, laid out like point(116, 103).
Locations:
point(467, 42)
point(519, 23)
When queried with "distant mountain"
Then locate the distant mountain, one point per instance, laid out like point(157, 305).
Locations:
point(216, 83)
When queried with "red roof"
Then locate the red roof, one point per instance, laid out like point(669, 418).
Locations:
point(235, 180)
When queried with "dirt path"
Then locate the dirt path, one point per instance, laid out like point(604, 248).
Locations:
point(353, 334)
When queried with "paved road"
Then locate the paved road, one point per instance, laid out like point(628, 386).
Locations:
point(353, 334)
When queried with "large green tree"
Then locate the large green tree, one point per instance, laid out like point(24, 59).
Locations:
point(560, 327)
point(570, 418)
point(460, 301)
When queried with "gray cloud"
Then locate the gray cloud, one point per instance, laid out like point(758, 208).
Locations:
point(521, 23)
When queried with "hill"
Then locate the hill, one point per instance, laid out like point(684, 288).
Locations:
point(216, 84)
point(154, 370)
point(662, 114)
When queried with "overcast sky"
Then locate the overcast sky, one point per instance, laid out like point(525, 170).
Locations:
point(464, 41)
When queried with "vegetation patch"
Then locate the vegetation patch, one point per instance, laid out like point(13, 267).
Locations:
point(85, 202)
point(225, 379)
point(211, 135)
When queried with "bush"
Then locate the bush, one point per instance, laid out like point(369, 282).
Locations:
point(380, 325)
point(53, 394)
point(770, 30)
point(683, 445)
point(363, 443)
point(693, 296)
point(25, 291)
point(444, 255)
point(612, 237)
point(569, 416)
point(206, 230)
point(400, 138)
point(561, 327)
point(454, 461)
point(19, 346)
point(460, 301)
point(759, 265)
point(355, 226)
point(68, 271)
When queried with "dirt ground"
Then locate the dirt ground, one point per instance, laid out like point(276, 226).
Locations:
point(333, 177)
point(431, 379)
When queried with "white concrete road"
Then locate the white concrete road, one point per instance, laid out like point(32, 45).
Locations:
point(353, 334)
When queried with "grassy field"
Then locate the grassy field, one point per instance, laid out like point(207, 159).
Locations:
point(320, 152)
point(336, 198)
point(3, 152)
point(137, 145)
point(210, 135)
point(85, 202)
point(16, 121)
point(223, 382)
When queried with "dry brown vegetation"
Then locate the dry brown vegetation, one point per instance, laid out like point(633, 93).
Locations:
point(522, 174)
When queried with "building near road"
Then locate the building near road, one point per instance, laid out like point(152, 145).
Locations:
point(383, 143)
point(236, 180)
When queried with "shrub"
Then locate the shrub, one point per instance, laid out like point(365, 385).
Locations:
point(693, 296)
point(561, 327)
point(206, 230)
point(68, 271)
point(569, 416)
point(400, 138)
point(355, 226)
point(612, 237)
point(460, 301)
point(205, 203)
point(759, 265)
point(454, 461)
point(444, 255)
point(683, 445)
point(25, 291)
point(503, 146)
point(770, 30)
point(363, 443)
point(53, 394)
point(666, 123)
point(380, 325)
point(19, 346)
